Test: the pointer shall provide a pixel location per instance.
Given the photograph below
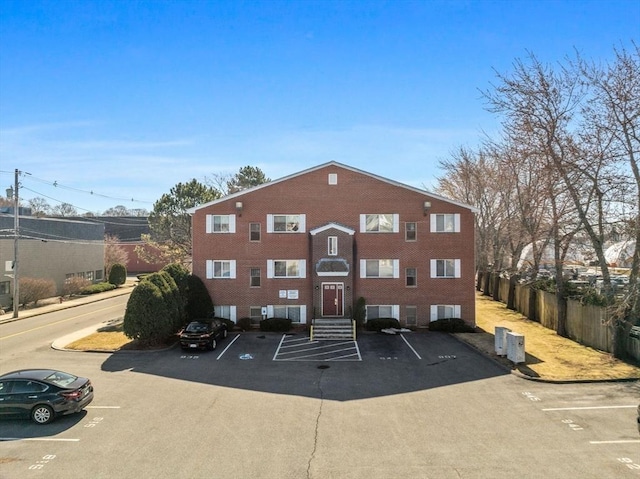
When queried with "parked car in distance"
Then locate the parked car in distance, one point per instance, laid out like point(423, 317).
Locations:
point(638, 417)
point(43, 394)
point(203, 334)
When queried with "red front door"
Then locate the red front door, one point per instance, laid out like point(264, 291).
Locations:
point(332, 299)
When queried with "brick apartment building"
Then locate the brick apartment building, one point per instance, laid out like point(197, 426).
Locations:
point(308, 245)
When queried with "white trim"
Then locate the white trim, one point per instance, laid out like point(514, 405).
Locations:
point(233, 313)
point(396, 223)
point(329, 226)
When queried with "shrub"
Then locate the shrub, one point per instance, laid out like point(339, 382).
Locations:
point(198, 303)
point(118, 274)
point(451, 325)
point(360, 311)
point(279, 325)
point(230, 324)
point(74, 285)
point(378, 324)
point(180, 274)
point(146, 318)
point(244, 324)
point(33, 290)
point(170, 296)
point(98, 288)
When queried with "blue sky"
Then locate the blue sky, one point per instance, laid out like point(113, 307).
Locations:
point(127, 98)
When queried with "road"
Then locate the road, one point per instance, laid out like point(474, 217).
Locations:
point(418, 406)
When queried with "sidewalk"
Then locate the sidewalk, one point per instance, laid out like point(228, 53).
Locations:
point(548, 357)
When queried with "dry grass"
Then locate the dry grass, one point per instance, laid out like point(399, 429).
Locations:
point(547, 354)
point(107, 339)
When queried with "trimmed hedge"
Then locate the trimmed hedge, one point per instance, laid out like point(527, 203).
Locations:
point(278, 325)
point(378, 324)
point(451, 325)
point(97, 288)
point(244, 324)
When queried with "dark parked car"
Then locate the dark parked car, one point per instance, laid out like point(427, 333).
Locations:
point(203, 334)
point(638, 417)
point(43, 394)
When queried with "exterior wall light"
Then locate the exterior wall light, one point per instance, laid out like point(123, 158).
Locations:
point(426, 206)
point(239, 207)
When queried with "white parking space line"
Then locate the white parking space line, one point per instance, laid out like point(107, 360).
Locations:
point(410, 347)
point(228, 346)
point(307, 357)
point(623, 441)
point(279, 346)
point(302, 349)
point(587, 408)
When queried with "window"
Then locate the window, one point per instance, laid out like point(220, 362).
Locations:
point(254, 232)
point(255, 313)
point(411, 315)
point(98, 274)
point(379, 223)
point(89, 275)
point(332, 246)
point(286, 268)
point(221, 224)
point(4, 287)
point(445, 268)
point(412, 277)
point(444, 311)
point(285, 223)
point(255, 277)
point(222, 312)
point(445, 223)
point(221, 269)
point(289, 312)
point(379, 268)
point(410, 232)
point(378, 311)
point(333, 178)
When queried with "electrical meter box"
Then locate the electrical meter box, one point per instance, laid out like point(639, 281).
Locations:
point(515, 347)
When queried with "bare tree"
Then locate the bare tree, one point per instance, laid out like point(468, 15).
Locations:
point(113, 253)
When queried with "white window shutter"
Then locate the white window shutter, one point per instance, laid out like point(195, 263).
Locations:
point(209, 268)
point(396, 268)
point(363, 223)
point(456, 222)
point(302, 225)
point(363, 268)
point(209, 223)
point(457, 267)
point(434, 223)
point(232, 223)
point(269, 310)
point(434, 268)
point(269, 223)
point(396, 311)
point(434, 312)
point(269, 268)
point(456, 311)
point(303, 314)
point(233, 313)
point(302, 268)
point(396, 223)
point(232, 268)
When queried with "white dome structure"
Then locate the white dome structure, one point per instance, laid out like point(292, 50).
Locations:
point(574, 256)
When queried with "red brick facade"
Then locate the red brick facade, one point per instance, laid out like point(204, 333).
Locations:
point(331, 200)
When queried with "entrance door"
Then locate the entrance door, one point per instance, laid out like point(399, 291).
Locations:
point(332, 299)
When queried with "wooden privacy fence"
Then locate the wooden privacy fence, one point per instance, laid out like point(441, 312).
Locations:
point(586, 324)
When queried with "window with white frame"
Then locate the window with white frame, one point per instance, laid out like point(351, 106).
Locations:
point(221, 224)
point(445, 223)
point(225, 311)
point(445, 268)
point(411, 275)
point(376, 311)
point(286, 223)
point(5, 287)
point(332, 246)
point(379, 223)
point(254, 232)
point(221, 269)
point(411, 315)
point(286, 268)
point(410, 231)
point(444, 311)
point(379, 268)
point(255, 277)
point(255, 313)
point(288, 312)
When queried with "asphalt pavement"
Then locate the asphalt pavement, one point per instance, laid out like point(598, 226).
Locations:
point(549, 357)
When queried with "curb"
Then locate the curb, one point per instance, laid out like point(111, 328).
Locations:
point(514, 371)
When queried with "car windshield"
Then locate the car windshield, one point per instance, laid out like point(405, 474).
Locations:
point(61, 379)
point(197, 328)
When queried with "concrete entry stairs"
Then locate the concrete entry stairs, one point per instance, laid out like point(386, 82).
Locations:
point(333, 329)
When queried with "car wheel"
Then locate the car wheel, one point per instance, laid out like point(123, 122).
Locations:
point(42, 414)
point(224, 333)
point(213, 344)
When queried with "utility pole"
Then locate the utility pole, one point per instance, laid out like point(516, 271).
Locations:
point(16, 225)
